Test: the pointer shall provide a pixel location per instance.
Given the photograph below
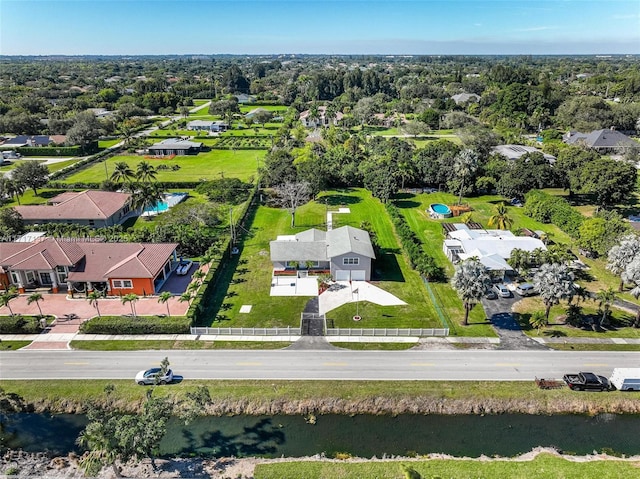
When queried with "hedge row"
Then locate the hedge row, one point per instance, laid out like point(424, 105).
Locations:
point(217, 265)
point(50, 151)
point(139, 325)
point(419, 260)
point(547, 208)
point(18, 324)
point(63, 173)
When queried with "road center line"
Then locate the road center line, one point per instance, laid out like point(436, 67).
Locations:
point(335, 364)
point(596, 364)
point(508, 365)
point(249, 364)
point(422, 364)
point(76, 364)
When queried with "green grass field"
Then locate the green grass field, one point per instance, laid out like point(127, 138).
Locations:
point(544, 466)
point(250, 284)
point(209, 165)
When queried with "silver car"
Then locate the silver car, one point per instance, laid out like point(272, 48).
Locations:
point(152, 376)
point(501, 290)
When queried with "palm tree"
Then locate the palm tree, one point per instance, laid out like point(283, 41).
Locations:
point(145, 195)
point(145, 172)
point(501, 218)
point(185, 297)
point(465, 164)
point(621, 255)
point(122, 172)
point(131, 298)
point(519, 259)
point(7, 296)
point(164, 298)
point(471, 281)
point(36, 298)
point(14, 188)
point(605, 298)
point(93, 298)
point(538, 320)
point(554, 282)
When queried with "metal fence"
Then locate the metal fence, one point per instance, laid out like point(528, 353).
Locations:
point(387, 332)
point(288, 331)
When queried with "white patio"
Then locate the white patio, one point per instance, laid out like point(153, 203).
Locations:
point(292, 286)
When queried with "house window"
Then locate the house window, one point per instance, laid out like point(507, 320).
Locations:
point(62, 274)
point(14, 277)
point(350, 261)
point(122, 283)
point(92, 223)
point(45, 278)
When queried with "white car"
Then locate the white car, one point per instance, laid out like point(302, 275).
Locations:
point(151, 376)
point(501, 290)
point(184, 267)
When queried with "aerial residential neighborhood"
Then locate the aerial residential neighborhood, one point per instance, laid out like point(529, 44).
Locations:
point(266, 248)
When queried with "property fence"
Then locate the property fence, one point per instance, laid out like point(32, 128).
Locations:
point(206, 331)
point(387, 332)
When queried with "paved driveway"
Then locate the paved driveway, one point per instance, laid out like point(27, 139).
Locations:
point(511, 336)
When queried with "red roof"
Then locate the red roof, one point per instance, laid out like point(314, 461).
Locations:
point(91, 261)
point(86, 205)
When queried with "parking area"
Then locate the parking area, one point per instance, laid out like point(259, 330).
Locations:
point(177, 284)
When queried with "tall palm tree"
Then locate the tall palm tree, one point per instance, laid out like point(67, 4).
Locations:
point(36, 298)
point(605, 298)
point(130, 298)
point(554, 282)
point(7, 296)
point(145, 195)
point(471, 281)
point(465, 164)
point(145, 172)
point(93, 298)
point(14, 188)
point(185, 297)
point(122, 173)
point(621, 255)
point(164, 297)
point(501, 218)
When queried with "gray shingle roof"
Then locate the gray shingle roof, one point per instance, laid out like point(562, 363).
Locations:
point(600, 139)
point(349, 240)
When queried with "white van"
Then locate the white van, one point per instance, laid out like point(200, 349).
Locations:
point(626, 379)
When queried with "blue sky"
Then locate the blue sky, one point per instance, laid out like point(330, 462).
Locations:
point(115, 27)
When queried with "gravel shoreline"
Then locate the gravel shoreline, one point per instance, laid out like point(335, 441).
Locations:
point(18, 464)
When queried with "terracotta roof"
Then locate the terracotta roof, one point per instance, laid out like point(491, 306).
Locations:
point(121, 260)
point(93, 261)
point(44, 253)
point(89, 204)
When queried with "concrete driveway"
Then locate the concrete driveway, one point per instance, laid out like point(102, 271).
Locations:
point(343, 292)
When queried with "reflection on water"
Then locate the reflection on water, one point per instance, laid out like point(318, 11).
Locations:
point(365, 436)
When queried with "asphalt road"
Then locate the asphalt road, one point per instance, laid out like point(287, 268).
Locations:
point(326, 365)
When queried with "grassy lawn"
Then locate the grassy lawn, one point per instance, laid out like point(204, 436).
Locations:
point(13, 345)
point(197, 103)
point(60, 165)
point(29, 198)
point(250, 283)
point(544, 466)
point(15, 163)
point(104, 144)
point(619, 329)
point(274, 108)
point(126, 345)
point(209, 165)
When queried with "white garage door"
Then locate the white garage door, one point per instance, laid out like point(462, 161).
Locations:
point(358, 275)
point(342, 275)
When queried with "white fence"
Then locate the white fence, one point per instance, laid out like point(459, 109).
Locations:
point(387, 332)
point(288, 331)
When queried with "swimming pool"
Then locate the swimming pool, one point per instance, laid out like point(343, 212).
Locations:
point(169, 200)
point(439, 211)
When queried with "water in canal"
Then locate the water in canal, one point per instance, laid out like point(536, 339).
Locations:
point(362, 435)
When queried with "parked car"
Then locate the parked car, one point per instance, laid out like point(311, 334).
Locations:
point(184, 267)
point(152, 376)
point(491, 294)
point(501, 290)
point(625, 379)
point(516, 202)
point(587, 382)
point(525, 289)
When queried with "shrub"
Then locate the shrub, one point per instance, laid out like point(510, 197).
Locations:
point(18, 324)
point(139, 325)
point(547, 208)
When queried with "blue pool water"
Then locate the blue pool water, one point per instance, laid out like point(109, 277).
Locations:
point(170, 199)
point(440, 208)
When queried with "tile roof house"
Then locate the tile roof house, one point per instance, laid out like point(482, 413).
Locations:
point(603, 141)
point(323, 120)
point(492, 247)
point(90, 207)
point(346, 252)
point(84, 265)
point(175, 146)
